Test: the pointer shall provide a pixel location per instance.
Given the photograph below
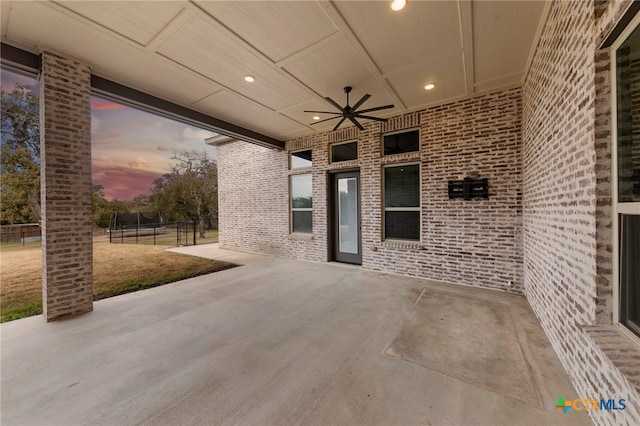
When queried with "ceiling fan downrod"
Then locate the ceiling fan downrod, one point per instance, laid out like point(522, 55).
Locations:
point(347, 90)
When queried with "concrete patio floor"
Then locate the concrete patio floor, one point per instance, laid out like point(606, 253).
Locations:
point(213, 251)
point(287, 342)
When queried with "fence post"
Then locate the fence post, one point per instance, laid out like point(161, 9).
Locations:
point(178, 234)
point(122, 234)
point(154, 235)
point(194, 232)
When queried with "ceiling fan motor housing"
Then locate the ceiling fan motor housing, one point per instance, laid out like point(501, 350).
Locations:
point(350, 112)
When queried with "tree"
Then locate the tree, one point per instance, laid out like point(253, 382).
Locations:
point(189, 191)
point(20, 156)
point(104, 209)
point(101, 207)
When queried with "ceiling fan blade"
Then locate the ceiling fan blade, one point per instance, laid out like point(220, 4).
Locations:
point(320, 121)
point(339, 123)
point(334, 103)
point(360, 102)
point(369, 117)
point(325, 112)
point(354, 121)
point(375, 109)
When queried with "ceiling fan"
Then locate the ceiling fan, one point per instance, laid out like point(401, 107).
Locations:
point(350, 112)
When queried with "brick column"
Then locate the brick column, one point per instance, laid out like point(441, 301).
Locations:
point(65, 144)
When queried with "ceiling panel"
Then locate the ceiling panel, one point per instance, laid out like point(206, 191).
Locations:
point(234, 109)
point(297, 113)
point(207, 50)
point(133, 20)
point(447, 73)
point(394, 40)
point(32, 23)
point(328, 70)
point(299, 52)
point(285, 27)
point(509, 80)
point(502, 36)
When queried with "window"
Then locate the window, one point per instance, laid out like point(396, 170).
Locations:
point(630, 271)
point(301, 204)
point(344, 152)
point(398, 143)
point(300, 159)
point(402, 202)
point(626, 157)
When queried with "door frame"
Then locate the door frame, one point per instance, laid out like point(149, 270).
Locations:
point(332, 213)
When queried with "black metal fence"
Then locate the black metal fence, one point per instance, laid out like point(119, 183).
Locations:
point(178, 233)
point(20, 234)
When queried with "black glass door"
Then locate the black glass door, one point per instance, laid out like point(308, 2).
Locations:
point(345, 202)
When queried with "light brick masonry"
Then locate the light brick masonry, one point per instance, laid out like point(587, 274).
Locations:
point(546, 227)
point(476, 242)
point(567, 205)
point(65, 140)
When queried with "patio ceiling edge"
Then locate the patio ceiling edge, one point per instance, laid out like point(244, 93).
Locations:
point(30, 62)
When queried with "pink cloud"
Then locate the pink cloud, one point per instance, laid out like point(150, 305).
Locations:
point(122, 182)
point(139, 163)
point(104, 104)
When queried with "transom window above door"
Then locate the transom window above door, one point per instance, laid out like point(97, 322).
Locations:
point(344, 151)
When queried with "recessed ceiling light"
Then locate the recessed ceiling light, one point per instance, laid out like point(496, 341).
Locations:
point(315, 117)
point(398, 4)
point(429, 86)
point(249, 78)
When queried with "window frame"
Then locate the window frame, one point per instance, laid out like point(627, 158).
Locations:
point(299, 150)
point(618, 208)
point(344, 143)
point(386, 209)
point(299, 209)
point(396, 132)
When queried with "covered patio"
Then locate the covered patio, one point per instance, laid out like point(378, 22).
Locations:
point(518, 97)
point(283, 341)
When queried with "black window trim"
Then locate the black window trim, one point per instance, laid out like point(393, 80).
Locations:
point(292, 209)
point(344, 143)
point(418, 209)
point(396, 132)
point(619, 208)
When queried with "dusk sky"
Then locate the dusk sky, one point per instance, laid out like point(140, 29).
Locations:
point(130, 148)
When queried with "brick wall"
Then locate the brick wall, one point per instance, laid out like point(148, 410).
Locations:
point(253, 203)
point(475, 242)
point(65, 140)
point(602, 103)
point(254, 200)
point(567, 205)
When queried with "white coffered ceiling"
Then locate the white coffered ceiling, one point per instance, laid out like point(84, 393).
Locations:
point(196, 53)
